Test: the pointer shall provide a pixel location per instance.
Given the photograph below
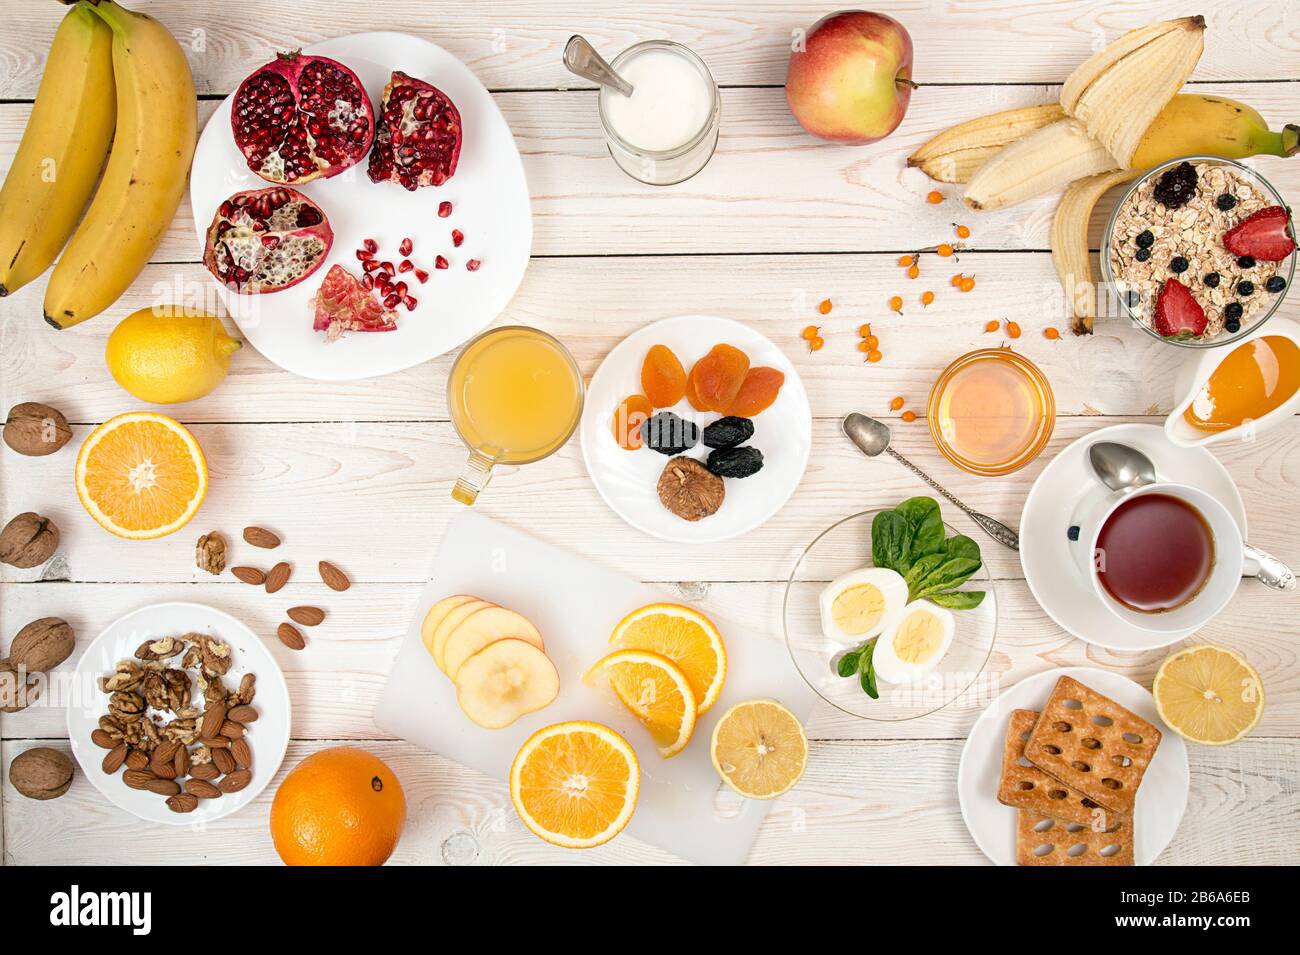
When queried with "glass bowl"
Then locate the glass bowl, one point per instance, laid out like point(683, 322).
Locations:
point(846, 546)
point(1116, 295)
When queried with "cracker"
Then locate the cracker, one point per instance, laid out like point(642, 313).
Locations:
point(1025, 786)
point(1042, 840)
point(1092, 744)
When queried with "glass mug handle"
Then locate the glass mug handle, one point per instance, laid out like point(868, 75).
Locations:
point(475, 477)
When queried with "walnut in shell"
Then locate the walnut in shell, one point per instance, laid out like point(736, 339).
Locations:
point(41, 773)
point(35, 429)
point(28, 540)
point(42, 645)
point(689, 489)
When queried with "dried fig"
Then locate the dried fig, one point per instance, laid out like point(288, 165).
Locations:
point(35, 429)
point(689, 489)
point(29, 540)
point(42, 645)
point(41, 773)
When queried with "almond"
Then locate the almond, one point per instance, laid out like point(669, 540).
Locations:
point(277, 577)
point(261, 537)
point(183, 802)
point(234, 782)
point(138, 778)
point(202, 789)
point(290, 636)
point(182, 762)
point(215, 742)
point(205, 770)
point(242, 714)
point(102, 739)
point(163, 787)
point(223, 761)
point(137, 760)
point(232, 730)
point(213, 718)
point(242, 752)
point(334, 578)
point(249, 575)
point(115, 758)
point(307, 616)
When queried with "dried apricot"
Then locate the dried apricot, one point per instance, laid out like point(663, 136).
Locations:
point(719, 375)
point(663, 379)
point(691, 396)
point(757, 392)
point(631, 413)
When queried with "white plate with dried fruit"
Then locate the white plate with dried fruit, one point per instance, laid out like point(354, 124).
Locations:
point(696, 428)
point(144, 725)
point(400, 156)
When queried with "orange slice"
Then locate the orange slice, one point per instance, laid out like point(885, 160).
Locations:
point(575, 784)
point(656, 691)
point(686, 637)
point(141, 475)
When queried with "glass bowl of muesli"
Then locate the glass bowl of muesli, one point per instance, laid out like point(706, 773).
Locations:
point(1199, 252)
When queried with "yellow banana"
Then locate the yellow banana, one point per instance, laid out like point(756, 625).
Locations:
point(1211, 125)
point(1046, 159)
point(62, 150)
point(1117, 92)
point(955, 154)
point(1070, 252)
point(144, 180)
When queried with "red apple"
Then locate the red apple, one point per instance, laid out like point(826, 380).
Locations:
point(850, 80)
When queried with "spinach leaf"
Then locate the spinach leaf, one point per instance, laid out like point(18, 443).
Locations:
point(949, 575)
point(867, 671)
point(920, 571)
point(848, 664)
point(959, 599)
point(891, 541)
point(923, 517)
point(960, 545)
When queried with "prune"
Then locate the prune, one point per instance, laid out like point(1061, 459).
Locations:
point(728, 432)
point(735, 462)
point(669, 434)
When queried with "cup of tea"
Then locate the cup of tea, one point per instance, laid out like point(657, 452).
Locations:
point(1164, 558)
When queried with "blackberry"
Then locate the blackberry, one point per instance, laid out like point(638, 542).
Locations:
point(1232, 326)
point(1233, 311)
point(1211, 280)
point(1245, 288)
point(1145, 239)
point(1178, 265)
point(1142, 254)
point(735, 462)
point(1176, 187)
point(1275, 284)
point(668, 434)
point(1246, 262)
point(1225, 201)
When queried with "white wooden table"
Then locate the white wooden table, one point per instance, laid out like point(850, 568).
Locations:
point(359, 472)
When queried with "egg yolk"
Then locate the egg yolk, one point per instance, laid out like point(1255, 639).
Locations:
point(918, 637)
point(857, 609)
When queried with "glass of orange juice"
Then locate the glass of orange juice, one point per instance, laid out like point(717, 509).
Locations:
point(515, 396)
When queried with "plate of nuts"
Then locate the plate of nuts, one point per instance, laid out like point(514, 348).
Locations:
point(181, 714)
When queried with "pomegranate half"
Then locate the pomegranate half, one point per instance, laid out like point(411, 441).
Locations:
point(266, 240)
point(302, 118)
point(419, 136)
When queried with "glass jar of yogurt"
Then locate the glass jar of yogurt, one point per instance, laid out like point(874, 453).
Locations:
point(666, 131)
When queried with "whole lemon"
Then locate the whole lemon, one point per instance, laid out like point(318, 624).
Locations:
point(170, 353)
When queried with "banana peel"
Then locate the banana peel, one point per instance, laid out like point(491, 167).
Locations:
point(1070, 252)
point(1046, 159)
point(956, 153)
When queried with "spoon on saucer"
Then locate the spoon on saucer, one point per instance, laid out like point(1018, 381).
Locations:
point(1124, 468)
point(580, 57)
point(872, 437)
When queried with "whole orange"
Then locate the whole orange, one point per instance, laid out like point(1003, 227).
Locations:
point(341, 806)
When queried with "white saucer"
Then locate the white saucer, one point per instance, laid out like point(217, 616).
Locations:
point(628, 480)
point(1161, 799)
point(1050, 560)
point(490, 205)
point(268, 737)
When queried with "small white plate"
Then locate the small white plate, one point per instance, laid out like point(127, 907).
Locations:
point(628, 480)
point(1161, 799)
point(490, 204)
point(1052, 563)
point(268, 736)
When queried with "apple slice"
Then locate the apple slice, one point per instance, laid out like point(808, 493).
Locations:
point(455, 617)
point(481, 628)
point(437, 613)
point(505, 680)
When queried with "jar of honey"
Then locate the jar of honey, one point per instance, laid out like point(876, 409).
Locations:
point(991, 411)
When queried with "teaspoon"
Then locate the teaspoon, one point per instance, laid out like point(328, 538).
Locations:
point(582, 59)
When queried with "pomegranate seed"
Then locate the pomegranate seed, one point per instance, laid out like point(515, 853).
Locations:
point(457, 237)
point(405, 265)
point(406, 247)
point(371, 246)
point(368, 282)
point(422, 275)
point(391, 301)
point(441, 263)
point(387, 267)
point(369, 265)
point(401, 289)
point(410, 302)
point(365, 255)
point(473, 265)
point(444, 209)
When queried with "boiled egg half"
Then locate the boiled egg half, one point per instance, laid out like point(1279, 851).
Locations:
point(857, 606)
point(913, 642)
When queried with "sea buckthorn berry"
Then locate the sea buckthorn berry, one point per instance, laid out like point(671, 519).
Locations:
point(927, 298)
point(825, 306)
point(895, 404)
point(896, 304)
point(991, 326)
point(963, 232)
point(1013, 329)
point(905, 261)
point(909, 416)
point(967, 284)
point(957, 280)
point(864, 330)
point(1051, 334)
point(816, 344)
point(810, 333)
point(913, 272)
point(944, 250)
point(874, 356)
point(863, 346)
point(872, 342)
point(934, 198)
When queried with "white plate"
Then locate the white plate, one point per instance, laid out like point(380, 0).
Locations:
point(1067, 485)
point(1161, 798)
point(490, 203)
point(627, 480)
point(268, 736)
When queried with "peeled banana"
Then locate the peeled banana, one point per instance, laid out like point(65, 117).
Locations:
point(955, 154)
point(1046, 159)
point(1070, 252)
point(1117, 92)
point(144, 180)
point(62, 150)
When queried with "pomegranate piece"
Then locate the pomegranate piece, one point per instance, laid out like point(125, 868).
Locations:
point(302, 118)
point(405, 265)
point(406, 247)
point(419, 135)
point(457, 237)
point(473, 265)
point(364, 256)
point(266, 240)
point(1263, 236)
point(422, 276)
point(1177, 313)
point(444, 209)
point(441, 263)
point(371, 246)
point(344, 305)
point(410, 302)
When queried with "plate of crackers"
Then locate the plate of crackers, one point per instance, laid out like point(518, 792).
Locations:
point(1070, 768)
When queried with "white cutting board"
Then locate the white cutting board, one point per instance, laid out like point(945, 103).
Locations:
point(683, 807)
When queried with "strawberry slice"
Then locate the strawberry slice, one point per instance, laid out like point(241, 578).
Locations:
point(1177, 313)
point(1264, 235)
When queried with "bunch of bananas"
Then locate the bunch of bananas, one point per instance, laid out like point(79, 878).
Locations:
point(1119, 113)
point(115, 79)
